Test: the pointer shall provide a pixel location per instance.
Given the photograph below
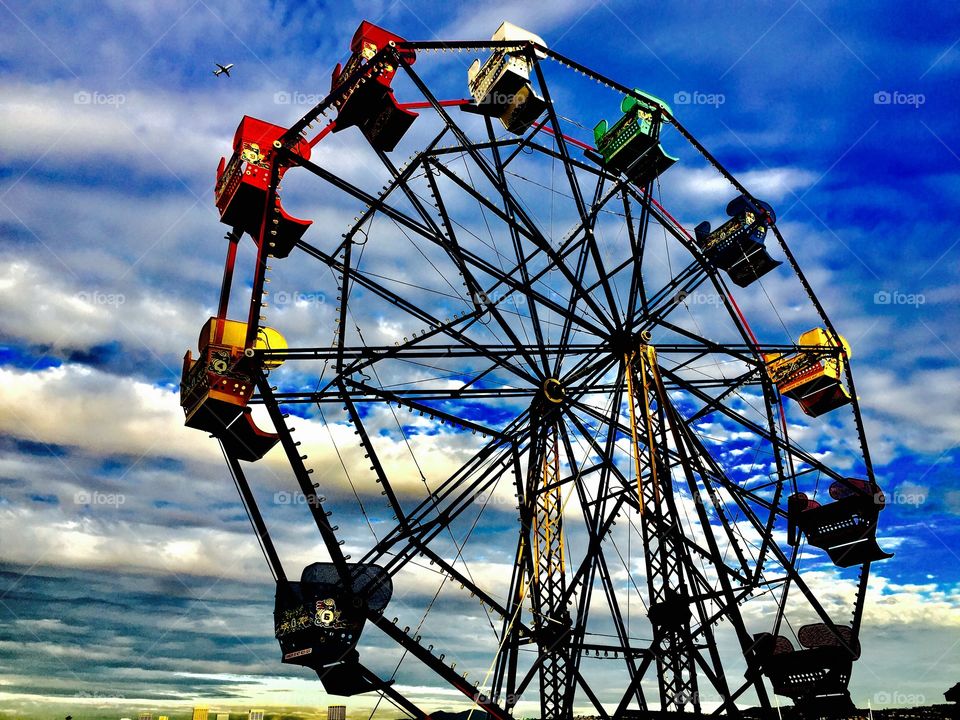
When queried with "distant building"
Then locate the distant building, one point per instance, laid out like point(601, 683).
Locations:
point(201, 712)
point(336, 712)
point(953, 694)
point(255, 715)
point(163, 717)
point(145, 716)
point(223, 716)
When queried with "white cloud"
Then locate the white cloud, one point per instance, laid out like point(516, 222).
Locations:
point(73, 405)
point(705, 187)
point(548, 20)
point(46, 309)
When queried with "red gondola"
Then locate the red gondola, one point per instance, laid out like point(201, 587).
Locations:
point(241, 190)
point(368, 102)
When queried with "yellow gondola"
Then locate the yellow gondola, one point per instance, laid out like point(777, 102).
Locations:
point(216, 386)
point(813, 376)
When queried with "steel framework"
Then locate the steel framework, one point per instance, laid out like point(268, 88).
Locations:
point(567, 359)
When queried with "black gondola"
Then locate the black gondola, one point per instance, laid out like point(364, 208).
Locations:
point(846, 528)
point(737, 245)
point(318, 622)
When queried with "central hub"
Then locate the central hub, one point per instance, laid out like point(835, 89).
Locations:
point(625, 343)
point(553, 391)
point(548, 401)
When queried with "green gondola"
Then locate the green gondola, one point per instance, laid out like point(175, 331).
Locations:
point(632, 145)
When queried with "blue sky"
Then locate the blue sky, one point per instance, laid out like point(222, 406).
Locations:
point(844, 116)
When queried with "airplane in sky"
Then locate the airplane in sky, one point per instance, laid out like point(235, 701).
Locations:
point(221, 69)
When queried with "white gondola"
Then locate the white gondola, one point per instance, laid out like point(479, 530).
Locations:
point(501, 86)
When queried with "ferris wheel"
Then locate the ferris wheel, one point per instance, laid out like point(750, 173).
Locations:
point(553, 415)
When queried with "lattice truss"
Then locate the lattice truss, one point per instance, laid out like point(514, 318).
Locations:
point(531, 396)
